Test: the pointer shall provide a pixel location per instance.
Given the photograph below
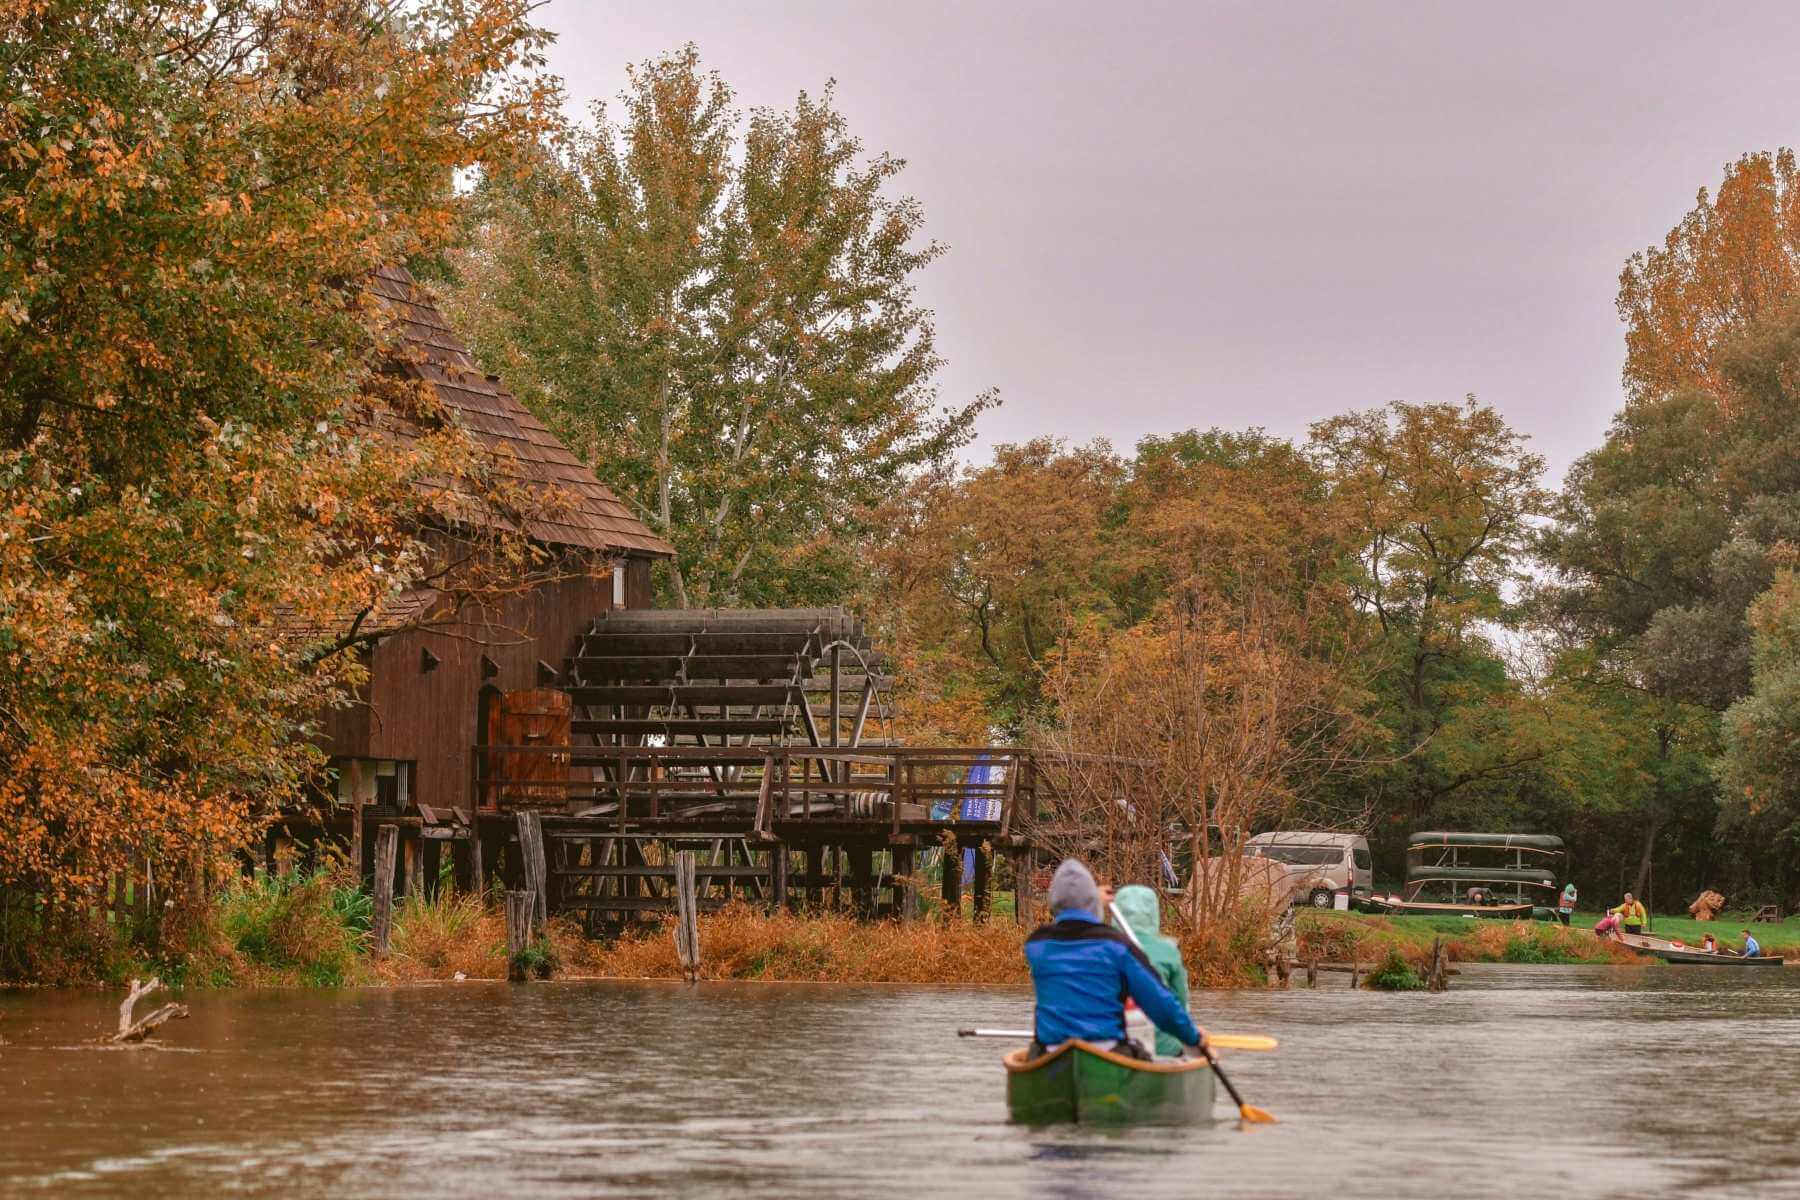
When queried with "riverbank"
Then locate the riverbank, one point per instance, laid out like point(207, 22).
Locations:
point(313, 931)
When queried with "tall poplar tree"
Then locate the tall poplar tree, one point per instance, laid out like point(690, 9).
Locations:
point(719, 315)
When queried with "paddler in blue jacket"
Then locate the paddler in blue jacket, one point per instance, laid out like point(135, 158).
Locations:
point(1084, 969)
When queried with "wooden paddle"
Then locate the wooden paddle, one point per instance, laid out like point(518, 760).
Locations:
point(1248, 1112)
point(1218, 1041)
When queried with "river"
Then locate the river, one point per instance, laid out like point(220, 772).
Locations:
point(1536, 1083)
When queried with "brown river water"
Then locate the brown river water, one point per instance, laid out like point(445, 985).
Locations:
point(1533, 1083)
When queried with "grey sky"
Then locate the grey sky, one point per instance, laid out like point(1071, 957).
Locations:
point(1174, 215)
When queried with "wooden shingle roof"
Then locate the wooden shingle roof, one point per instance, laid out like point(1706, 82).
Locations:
point(584, 512)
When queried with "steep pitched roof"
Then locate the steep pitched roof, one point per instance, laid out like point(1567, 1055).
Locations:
point(584, 513)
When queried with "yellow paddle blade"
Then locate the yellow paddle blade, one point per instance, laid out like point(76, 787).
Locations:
point(1255, 1115)
point(1242, 1041)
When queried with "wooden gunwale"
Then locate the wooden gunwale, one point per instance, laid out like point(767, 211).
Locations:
point(1016, 1062)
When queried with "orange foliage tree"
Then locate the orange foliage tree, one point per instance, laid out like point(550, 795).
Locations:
point(1236, 703)
point(1732, 259)
point(191, 462)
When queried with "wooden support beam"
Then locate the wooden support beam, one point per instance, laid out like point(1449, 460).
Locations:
point(431, 865)
point(984, 870)
point(905, 887)
point(387, 840)
point(862, 880)
point(815, 876)
point(778, 877)
point(415, 864)
point(1024, 888)
point(862, 712)
point(952, 881)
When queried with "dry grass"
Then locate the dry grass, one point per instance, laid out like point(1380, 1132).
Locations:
point(438, 938)
point(744, 943)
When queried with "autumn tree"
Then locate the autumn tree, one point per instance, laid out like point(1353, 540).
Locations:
point(719, 314)
point(1227, 712)
point(978, 574)
point(1732, 259)
point(191, 464)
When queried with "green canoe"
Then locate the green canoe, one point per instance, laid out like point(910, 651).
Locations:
point(1081, 1082)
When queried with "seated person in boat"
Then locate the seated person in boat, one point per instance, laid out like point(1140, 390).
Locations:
point(1630, 916)
point(1083, 969)
point(1143, 912)
point(1709, 944)
point(1752, 948)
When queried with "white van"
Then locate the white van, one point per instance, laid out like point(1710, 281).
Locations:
point(1319, 865)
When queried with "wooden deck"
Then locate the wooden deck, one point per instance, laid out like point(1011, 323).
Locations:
point(776, 825)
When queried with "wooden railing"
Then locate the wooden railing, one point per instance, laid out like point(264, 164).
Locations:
point(760, 786)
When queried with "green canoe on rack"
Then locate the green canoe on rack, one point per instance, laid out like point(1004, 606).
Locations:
point(1081, 1082)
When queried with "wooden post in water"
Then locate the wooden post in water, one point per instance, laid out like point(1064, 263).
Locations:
point(520, 906)
point(531, 856)
point(687, 923)
point(1437, 977)
point(386, 842)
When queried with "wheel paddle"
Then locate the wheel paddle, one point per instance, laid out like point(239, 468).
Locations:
point(1248, 1112)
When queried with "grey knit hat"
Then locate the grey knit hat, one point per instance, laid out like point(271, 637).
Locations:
point(1073, 887)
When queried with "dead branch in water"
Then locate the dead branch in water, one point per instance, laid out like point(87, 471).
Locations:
point(137, 1031)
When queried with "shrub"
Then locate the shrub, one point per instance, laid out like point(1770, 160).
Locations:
point(1395, 974)
point(291, 927)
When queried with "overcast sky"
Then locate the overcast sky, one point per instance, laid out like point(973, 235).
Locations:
point(1172, 215)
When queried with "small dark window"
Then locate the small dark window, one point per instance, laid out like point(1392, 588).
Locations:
point(1362, 859)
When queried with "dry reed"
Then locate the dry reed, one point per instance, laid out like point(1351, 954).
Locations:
point(741, 942)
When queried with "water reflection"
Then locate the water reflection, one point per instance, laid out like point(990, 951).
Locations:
point(1632, 1081)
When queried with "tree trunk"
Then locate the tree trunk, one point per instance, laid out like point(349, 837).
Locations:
point(1643, 871)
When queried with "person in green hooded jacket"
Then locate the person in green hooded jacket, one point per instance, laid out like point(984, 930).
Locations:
point(1143, 912)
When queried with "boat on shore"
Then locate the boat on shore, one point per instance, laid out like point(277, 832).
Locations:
point(1080, 1082)
point(1679, 952)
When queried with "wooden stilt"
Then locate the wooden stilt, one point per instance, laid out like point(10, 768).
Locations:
point(387, 840)
point(815, 876)
point(520, 907)
point(1024, 889)
point(415, 864)
point(778, 877)
point(862, 880)
point(984, 869)
point(687, 925)
point(906, 888)
point(952, 881)
point(431, 865)
point(531, 862)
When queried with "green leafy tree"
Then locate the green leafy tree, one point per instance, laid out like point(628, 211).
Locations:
point(1442, 497)
point(719, 315)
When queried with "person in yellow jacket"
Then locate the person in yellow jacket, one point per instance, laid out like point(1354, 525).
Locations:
point(1632, 914)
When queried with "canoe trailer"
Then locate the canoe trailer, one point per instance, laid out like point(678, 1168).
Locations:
point(1482, 867)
